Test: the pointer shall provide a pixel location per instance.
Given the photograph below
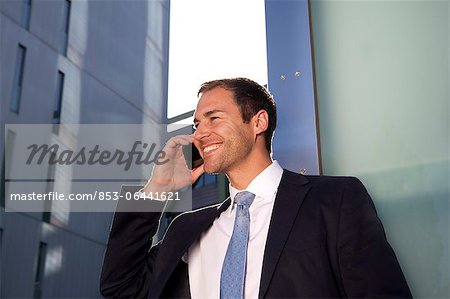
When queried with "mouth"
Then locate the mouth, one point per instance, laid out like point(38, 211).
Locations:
point(210, 149)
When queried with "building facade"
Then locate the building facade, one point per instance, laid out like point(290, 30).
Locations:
point(73, 62)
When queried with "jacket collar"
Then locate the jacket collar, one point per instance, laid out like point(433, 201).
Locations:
point(291, 193)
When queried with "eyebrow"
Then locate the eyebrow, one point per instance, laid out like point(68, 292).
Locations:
point(208, 113)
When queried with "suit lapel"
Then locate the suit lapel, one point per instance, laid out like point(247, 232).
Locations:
point(199, 223)
point(174, 250)
point(291, 193)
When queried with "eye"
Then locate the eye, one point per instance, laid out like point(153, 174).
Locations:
point(214, 117)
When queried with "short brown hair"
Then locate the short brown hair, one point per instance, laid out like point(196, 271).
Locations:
point(250, 98)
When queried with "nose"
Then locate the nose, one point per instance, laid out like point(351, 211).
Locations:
point(198, 135)
point(201, 132)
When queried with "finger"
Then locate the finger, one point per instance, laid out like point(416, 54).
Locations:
point(174, 144)
point(197, 172)
point(179, 140)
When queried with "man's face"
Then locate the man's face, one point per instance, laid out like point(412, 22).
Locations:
point(222, 137)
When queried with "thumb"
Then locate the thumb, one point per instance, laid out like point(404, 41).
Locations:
point(197, 172)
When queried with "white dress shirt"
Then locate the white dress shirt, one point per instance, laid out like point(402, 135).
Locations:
point(205, 256)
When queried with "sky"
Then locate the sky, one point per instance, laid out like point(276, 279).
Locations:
point(213, 39)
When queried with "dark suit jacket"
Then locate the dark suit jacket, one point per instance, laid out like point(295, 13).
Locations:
point(325, 241)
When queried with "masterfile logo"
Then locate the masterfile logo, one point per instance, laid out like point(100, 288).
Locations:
point(96, 156)
point(96, 152)
point(85, 166)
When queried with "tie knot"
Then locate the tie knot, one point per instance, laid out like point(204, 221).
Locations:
point(244, 198)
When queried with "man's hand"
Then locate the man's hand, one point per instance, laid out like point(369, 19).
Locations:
point(174, 174)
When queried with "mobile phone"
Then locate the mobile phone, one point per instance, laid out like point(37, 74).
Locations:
point(192, 156)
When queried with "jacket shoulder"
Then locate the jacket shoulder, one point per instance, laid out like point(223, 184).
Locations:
point(347, 181)
point(322, 180)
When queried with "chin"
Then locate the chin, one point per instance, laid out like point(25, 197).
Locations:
point(212, 169)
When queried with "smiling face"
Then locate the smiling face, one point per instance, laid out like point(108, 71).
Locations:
point(225, 142)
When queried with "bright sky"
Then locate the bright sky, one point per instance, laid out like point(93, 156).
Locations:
point(213, 39)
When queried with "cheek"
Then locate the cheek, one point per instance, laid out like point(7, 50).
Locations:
point(246, 134)
point(241, 141)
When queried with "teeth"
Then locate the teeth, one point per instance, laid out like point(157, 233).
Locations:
point(210, 148)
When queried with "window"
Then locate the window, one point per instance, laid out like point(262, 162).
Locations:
point(7, 156)
point(1, 262)
point(26, 14)
point(58, 98)
point(66, 22)
point(47, 214)
point(18, 79)
point(205, 180)
point(2, 184)
point(1, 248)
point(40, 268)
point(58, 101)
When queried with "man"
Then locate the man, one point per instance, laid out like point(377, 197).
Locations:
point(292, 236)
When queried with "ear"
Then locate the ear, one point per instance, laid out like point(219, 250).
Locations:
point(260, 121)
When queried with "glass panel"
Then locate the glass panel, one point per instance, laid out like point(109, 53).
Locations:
point(2, 184)
point(382, 81)
point(46, 215)
point(26, 14)
point(210, 179)
point(58, 98)
point(66, 25)
point(1, 261)
point(14, 105)
point(40, 267)
point(7, 156)
point(295, 143)
point(7, 161)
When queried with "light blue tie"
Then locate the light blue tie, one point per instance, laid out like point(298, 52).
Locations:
point(233, 270)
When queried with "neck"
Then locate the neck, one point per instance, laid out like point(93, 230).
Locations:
point(242, 175)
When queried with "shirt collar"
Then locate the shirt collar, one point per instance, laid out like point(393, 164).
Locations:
point(264, 185)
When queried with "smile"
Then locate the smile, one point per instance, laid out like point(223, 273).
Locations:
point(210, 148)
